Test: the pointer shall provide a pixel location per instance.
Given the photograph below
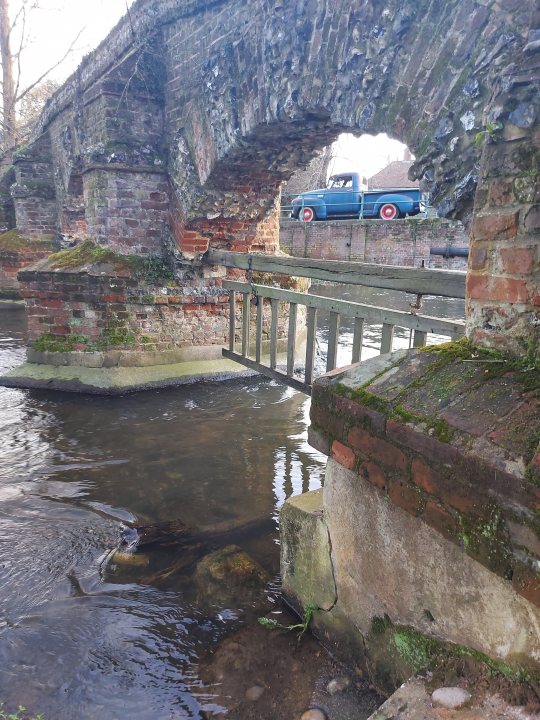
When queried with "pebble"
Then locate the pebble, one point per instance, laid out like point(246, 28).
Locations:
point(254, 693)
point(314, 714)
point(338, 685)
point(450, 697)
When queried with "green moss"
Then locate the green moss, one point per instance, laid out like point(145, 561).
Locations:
point(370, 400)
point(13, 241)
point(151, 270)
point(85, 253)
point(420, 652)
point(113, 337)
point(442, 430)
point(56, 343)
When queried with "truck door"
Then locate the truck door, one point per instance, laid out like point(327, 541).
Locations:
point(341, 199)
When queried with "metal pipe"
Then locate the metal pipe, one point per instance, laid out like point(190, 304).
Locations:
point(450, 251)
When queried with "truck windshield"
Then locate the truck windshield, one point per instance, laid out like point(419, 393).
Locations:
point(340, 181)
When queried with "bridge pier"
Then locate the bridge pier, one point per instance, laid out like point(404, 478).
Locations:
point(424, 544)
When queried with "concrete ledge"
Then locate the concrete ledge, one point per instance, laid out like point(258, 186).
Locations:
point(120, 380)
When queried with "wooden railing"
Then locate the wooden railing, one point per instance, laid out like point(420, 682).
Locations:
point(251, 355)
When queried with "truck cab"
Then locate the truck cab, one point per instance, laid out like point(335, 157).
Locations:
point(346, 196)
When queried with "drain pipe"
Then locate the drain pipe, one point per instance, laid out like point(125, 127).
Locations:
point(450, 252)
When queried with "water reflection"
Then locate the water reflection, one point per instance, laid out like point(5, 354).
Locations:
point(79, 643)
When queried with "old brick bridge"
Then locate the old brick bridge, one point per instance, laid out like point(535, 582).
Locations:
point(175, 134)
point(170, 144)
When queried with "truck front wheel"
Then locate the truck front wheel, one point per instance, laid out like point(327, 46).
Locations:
point(307, 214)
point(388, 211)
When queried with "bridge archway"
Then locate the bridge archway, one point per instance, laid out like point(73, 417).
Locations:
point(190, 115)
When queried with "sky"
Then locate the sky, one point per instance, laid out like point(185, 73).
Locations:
point(57, 23)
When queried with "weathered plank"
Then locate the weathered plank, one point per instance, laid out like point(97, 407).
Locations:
point(311, 321)
point(333, 338)
point(268, 372)
point(428, 281)
point(370, 313)
point(232, 320)
point(291, 338)
point(357, 340)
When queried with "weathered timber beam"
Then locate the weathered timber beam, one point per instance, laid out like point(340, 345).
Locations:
point(281, 377)
point(445, 283)
point(370, 313)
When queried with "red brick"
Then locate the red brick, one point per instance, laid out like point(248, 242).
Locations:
point(343, 455)
point(405, 497)
point(495, 227)
point(527, 584)
point(373, 473)
point(111, 298)
point(426, 445)
point(441, 520)
point(517, 260)
point(422, 475)
point(477, 258)
point(378, 449)
point(496, 288)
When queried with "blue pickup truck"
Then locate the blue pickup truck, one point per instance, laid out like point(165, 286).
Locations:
point(345, 197)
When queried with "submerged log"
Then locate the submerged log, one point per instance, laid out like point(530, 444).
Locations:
point(171, 532)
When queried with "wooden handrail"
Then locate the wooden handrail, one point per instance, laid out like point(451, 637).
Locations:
point(425, 281)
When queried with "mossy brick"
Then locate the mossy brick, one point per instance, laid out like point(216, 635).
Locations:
point(519, 432)
point(319, 440)
point(393, 383)
point(479, 410)
point(332, 424)
point(356, 411)
point(420, 442)
point(426, 397)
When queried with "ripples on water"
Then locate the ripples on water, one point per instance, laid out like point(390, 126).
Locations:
point(75, 644)
point(72, 468)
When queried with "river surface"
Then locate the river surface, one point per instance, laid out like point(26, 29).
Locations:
point(82, 639)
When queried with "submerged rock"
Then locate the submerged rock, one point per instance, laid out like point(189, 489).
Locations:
point(230, 576)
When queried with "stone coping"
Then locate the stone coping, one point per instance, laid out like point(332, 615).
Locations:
point(121, 380)
point(452, 441)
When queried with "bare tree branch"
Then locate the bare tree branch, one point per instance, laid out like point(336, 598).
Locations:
point(18, 54)
point(50, 69)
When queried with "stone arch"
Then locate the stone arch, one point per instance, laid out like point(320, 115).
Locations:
point(237, 96)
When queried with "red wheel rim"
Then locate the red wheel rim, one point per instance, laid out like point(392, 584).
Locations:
point(388, 212)
point(307, 214)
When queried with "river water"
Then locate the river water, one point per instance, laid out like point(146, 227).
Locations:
point(83, 640)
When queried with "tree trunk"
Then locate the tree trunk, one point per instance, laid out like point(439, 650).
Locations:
point(8, 87)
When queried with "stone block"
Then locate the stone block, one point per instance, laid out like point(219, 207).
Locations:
point(306, 565)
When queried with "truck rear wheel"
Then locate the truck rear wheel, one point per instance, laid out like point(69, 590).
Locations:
point(307, 214)
point(388, 211)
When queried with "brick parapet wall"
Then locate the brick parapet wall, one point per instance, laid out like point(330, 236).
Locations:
point(83, 310)
point(470, 488)
point(400, 242)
